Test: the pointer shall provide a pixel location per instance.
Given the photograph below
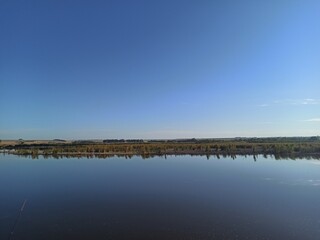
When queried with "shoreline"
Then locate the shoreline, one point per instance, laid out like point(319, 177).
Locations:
point(299, 147)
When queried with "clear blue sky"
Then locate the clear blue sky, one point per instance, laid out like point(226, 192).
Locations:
point(159, 69)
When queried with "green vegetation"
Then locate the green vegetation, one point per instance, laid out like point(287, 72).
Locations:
point(279, 147)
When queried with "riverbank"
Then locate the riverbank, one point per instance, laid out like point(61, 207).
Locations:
point(279, 147)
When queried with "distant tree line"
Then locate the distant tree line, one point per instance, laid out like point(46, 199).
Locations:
point(123, 141)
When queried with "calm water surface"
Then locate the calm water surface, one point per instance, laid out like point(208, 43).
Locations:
point(175, 198)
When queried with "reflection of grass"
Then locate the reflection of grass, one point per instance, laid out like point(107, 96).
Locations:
point(279, 147)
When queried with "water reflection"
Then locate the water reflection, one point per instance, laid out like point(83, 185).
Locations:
point(147, 156)
point(169, 197)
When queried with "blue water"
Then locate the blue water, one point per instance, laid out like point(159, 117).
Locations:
point(180, 197)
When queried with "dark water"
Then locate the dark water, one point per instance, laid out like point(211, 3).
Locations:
point(175, 198)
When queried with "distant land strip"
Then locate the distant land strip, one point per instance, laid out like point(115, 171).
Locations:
point(280, 147)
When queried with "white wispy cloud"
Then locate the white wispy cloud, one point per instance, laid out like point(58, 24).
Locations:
point(296, 102)
point(309, 101)
point(304, 101)
point(312, 120)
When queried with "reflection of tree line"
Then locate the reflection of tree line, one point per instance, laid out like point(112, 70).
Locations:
point(222, 148)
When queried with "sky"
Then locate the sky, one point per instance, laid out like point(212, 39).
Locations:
point(159, 69)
